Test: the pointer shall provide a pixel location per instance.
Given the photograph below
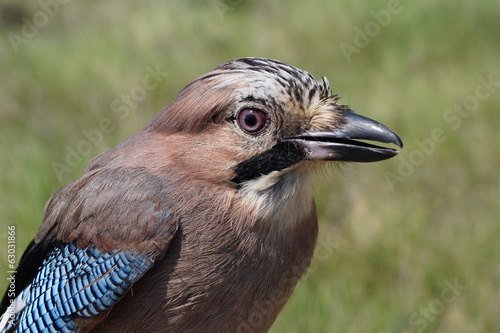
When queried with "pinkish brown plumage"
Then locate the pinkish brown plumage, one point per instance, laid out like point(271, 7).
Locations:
point(202, 222)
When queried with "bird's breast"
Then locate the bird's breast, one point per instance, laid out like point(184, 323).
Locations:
point(227, 270)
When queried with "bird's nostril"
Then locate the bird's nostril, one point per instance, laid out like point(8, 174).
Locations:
point(223, 210)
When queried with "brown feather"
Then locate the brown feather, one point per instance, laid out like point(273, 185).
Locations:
point(228, 255)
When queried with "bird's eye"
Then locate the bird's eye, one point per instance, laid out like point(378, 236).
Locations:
point(251, 120)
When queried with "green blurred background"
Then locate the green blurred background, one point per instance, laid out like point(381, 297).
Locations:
point(406, 245)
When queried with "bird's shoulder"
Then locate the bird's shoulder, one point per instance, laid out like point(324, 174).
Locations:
point(100, 234)
point(111, 207)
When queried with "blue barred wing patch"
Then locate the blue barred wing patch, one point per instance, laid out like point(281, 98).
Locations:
point(76, 283)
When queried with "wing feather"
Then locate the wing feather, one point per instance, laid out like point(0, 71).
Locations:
point(99, 236)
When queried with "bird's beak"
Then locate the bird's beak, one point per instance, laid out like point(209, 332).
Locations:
point(340, 145)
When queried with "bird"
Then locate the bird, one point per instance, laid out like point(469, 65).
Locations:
point(203, 221)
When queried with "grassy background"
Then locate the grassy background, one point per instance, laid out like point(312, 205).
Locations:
point(394, 235)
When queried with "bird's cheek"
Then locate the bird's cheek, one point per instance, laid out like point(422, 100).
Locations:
point(208, 161)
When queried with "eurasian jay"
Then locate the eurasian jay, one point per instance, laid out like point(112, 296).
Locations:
point(204, 221)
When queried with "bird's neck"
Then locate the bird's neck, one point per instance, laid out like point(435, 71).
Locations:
point(283, 197)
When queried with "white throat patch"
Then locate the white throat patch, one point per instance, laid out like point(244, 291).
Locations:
point(285, 195)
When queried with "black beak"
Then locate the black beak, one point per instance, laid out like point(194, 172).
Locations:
point(340, 144)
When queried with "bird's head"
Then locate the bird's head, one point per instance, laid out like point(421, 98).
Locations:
point(260, 126)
